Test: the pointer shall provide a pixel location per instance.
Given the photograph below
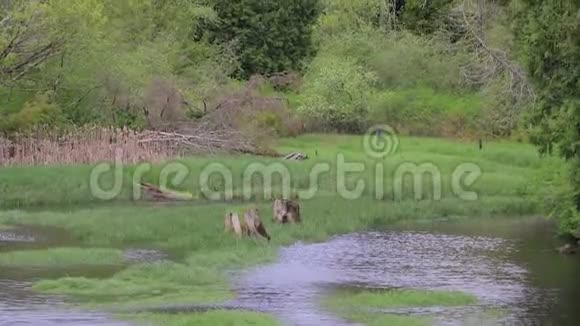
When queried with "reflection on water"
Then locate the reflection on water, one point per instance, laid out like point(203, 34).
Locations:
point(504, 265)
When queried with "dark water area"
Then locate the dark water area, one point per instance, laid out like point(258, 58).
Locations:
point(510, 265)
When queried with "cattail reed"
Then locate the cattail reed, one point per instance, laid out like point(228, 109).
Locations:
point(81, 145)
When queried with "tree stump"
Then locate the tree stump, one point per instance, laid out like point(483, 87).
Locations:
point(254, 223)
point(286, 211)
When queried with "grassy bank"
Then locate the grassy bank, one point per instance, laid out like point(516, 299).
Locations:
point(351, 299)
point(193, 232)
point(506, 168)
point(357, 305)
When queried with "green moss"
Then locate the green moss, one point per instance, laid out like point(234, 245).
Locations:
point(62, 257)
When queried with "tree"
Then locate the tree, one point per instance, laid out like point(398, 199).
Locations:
point(424, 16)
point(25, 42)
point(549, 34)
point(271, 36)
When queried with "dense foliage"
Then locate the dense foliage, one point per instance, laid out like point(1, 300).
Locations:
point(549, 32)
point(270, 36)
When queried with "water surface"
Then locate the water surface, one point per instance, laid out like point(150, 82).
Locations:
point(509, 265)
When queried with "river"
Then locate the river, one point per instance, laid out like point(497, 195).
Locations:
point(510, 265)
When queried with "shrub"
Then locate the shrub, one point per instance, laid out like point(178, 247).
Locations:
point(272, 36)
point(424, 111)
point(39, 110)
point(408, 60)
point(556, 193)
point(335, 95)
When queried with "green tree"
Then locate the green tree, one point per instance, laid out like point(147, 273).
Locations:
point(336, 93)
point(549, 34)
point(425, 16)
point(270, 36)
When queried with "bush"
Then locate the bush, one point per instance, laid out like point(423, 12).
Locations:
point(424, 111)
point(335, 95)
point(556, 192)
point(407, 60)
point(272, 36)
point(39, 110)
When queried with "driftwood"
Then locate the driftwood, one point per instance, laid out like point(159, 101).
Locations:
point(250, 226)
point(286, 211)
point(296, 156)
point(155, 193)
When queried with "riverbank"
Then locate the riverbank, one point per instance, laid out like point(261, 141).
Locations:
point(192, 232)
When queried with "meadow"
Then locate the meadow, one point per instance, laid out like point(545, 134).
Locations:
point(192, 232)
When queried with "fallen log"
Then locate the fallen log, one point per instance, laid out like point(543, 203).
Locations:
point(156, 193)
point(296, 156)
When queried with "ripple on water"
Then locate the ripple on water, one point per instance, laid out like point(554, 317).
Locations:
point(292, 287)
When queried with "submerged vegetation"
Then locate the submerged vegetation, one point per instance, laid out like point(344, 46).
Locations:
point(395, 298)
point(365, 306)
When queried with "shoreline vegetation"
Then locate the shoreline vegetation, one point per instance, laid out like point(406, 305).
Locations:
point(360, 305)
point(193, 232)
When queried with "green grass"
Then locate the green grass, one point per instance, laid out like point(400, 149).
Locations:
point(346, 299)
point(214, 318)
point(357, 305)
point(4, 227)
point(199, 279)
point(164, 281)
point(506, 168)
point(62, 257)
point(193, 232)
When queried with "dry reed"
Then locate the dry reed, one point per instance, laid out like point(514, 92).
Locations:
point(87, 145)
